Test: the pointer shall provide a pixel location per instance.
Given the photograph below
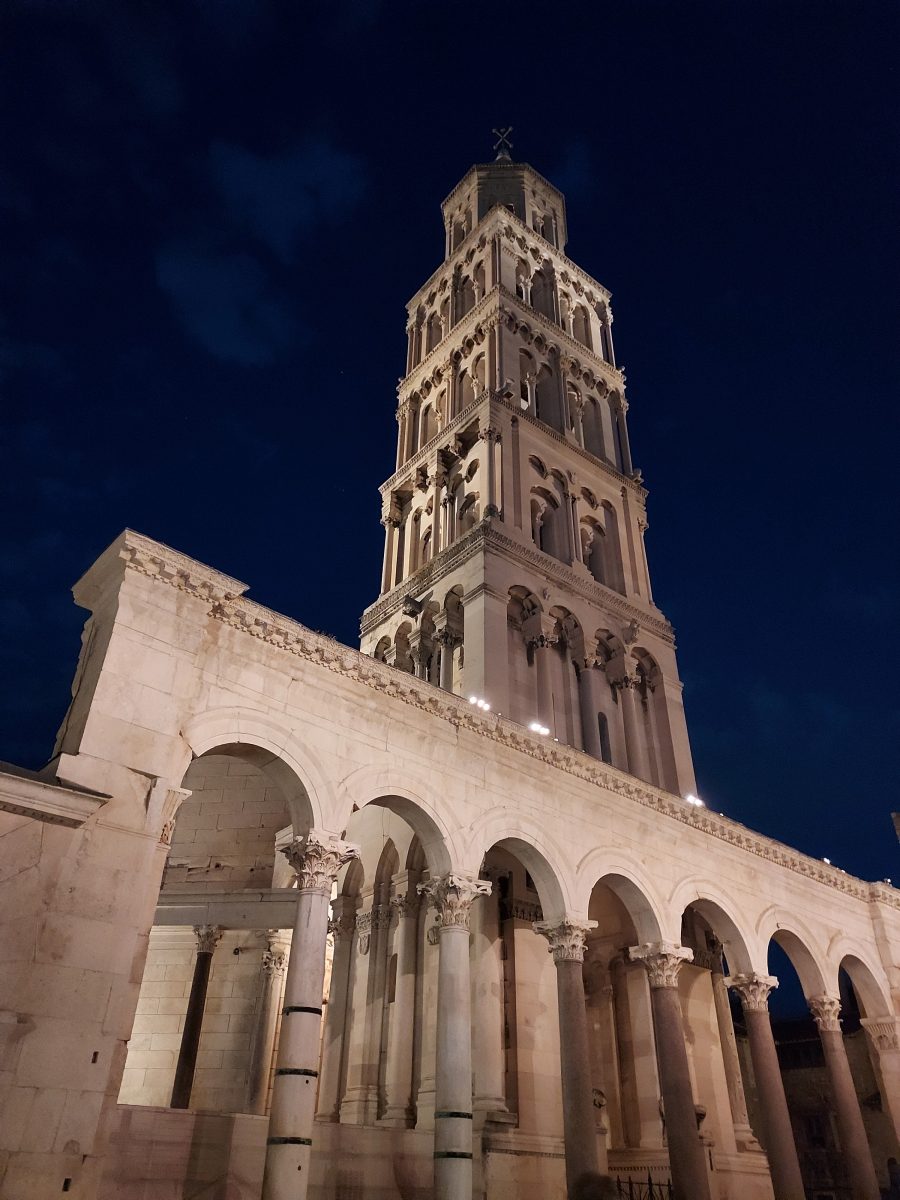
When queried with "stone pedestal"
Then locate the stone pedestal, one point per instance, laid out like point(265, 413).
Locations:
point(687, 1156)
point(778, 1137)
point(316, 859)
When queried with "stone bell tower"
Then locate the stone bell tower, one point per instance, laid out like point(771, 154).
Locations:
point(514, 563)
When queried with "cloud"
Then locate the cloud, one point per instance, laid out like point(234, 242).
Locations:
point(574, 175)
point(225, 301)
point(282, 199)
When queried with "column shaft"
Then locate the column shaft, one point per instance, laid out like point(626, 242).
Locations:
point(398, 1083)
point(579, 1118)
point(331, 1082)
point(264, 1031)
point(854, 1143)
point(207, 936)
point(317, 860)
point(730, 1060)
point(687, 1156)
point(638, 763)
point(487, 1028)
point(590, 729)
point(778, 1137)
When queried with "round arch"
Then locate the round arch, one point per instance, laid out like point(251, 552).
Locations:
point(541, 857)
point(797, 942)
point(271, 745)
point(715, 910)
point(406, 795)
point(639, 896)
point(868, 988)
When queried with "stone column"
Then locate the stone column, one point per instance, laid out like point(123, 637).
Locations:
point(854, 1143)
point(778, 1137)
point(359, 1103)
point(487, 1003)
point(446, 641)
point(490, 437)
point(540, 645)
point(579, 1119)
point(734, 1080)
point(342, 927)
point(884, 1052)
point(590, 729)
point(271, 973)
point(635, 744)
point(452, 895)
point(687, 1156)
point(208, 937)
point(316, 859)
point(398, 1083)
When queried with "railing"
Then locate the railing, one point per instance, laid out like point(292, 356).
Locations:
point(631, 1190)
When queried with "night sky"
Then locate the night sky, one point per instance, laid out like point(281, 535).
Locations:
point(214, 213)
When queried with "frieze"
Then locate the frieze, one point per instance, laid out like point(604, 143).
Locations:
point(248, 617)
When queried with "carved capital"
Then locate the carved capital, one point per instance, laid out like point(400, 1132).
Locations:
point(567, 941)
point(317, 858)
point(453, 895)
point(364, 931)
point(342, 924)
point(208, 937)
point(826, 1011)
point(753, 990)
point(489, 434)
point(406, 904)
point(163, 803)
point(882, 1031)
point(663, 961)
point(274, 957)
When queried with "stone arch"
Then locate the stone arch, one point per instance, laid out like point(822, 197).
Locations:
point(644, 905)
point(271, 745)
point(716, 911)
point(870, 991)
point(541, 857)
point(796, 941)
point(408, 797)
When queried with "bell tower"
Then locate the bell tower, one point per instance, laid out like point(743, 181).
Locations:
point(514, 564)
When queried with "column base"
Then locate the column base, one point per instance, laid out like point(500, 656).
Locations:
point(398, 1118)
point(746, 1140)
point(493, 1114)
point(359, 1108)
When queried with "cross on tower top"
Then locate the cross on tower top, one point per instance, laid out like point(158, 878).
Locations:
point(503, 145)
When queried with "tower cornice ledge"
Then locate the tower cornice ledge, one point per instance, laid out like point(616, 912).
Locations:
point(186, 575)
point(486, 536)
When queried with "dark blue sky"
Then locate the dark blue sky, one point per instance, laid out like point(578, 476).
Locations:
point(213, 214)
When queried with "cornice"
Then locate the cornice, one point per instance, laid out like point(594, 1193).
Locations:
point(424, 369)
point(422, 455)
point(624, 480)
point(26, 795)
point(559, 335)
point(487, 536)
point(253, 620)
point(161, 562)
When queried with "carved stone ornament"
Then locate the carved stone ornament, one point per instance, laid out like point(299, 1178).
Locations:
point(273, 960)
point(317, 858)
point(364, 931)
point(343, 926)
point(452, 895)
point(208, 937)
point(753, 990)
point(406, 904)
point(663, 961)
point(567, 941)
point(163, 803)
point(826, 1011)
point(883, 1033)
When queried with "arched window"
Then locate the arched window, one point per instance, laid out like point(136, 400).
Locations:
point(433, 332)
point(592, 425)
point(581, 326)
point(543, 293)
point(465, 301)
point(605, 751)
point(465, 391)
point(427, 425)
point(426, 547)
point(468, 513)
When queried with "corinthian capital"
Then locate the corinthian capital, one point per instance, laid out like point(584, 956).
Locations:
point(826, 1011)
point(567, 941)
point(753, 990)
point(882, 1032)
point(317, 858)
point(208, 937)
point(453, 895)
point(663, 961)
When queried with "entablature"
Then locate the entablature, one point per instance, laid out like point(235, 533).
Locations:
point(28, 795)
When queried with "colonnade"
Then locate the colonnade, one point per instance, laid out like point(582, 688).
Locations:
point(460, 1089)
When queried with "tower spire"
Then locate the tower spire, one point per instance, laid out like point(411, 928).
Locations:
point(503, 145)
